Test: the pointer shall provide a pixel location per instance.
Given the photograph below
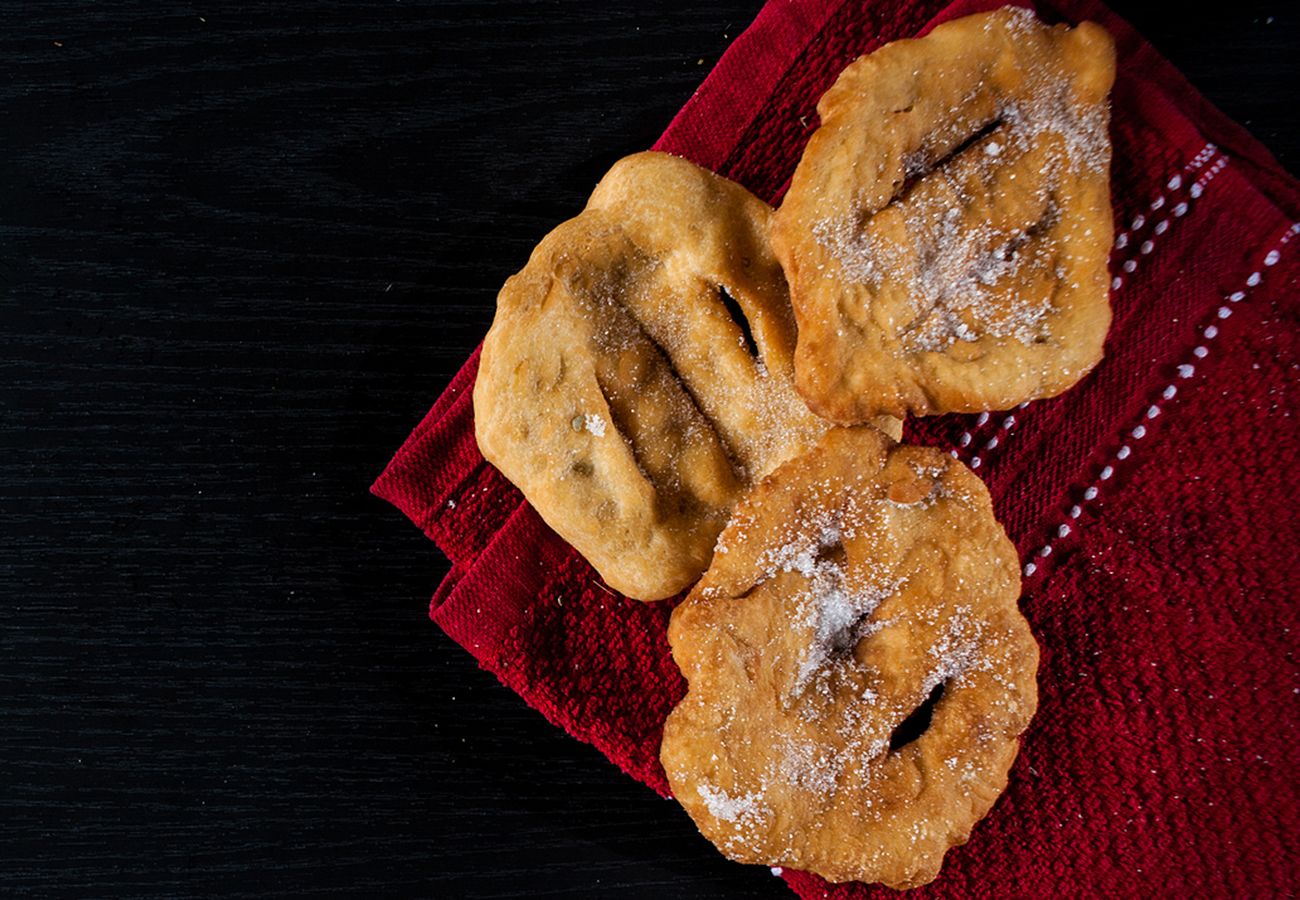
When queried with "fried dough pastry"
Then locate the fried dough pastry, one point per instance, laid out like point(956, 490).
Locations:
point(639, 372)
point(947, 230)
point(859, 672)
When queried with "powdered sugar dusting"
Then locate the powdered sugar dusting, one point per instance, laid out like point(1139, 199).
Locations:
point(835, 612)
point(958, 648)
point(813, 766)
point(843, 661)
point(840, 616)
point(721, 805)
point(799, 553)
point(595, 424)
point(957, 269)
point(783, 424)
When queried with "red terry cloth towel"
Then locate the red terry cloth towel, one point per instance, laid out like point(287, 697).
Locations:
point(1152, 505)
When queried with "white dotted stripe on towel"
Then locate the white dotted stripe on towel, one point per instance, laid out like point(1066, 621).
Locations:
point(1002, 426)
point(1194, 190)
point(1185, 369)
point(1173, 184)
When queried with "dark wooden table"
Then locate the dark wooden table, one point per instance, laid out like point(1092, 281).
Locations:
point(242, 248)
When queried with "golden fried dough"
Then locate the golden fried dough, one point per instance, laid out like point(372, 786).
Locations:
point(619, 392)
point(859, 672)
point(947, 230)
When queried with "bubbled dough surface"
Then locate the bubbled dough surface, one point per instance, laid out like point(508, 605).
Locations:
point(616, 391)
point(1039, 325)
point(787, 764)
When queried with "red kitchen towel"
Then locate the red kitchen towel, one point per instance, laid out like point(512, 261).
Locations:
point(1152, 504)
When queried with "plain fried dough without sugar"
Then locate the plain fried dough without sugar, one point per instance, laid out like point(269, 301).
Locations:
point(858, 670)
point(947, 231)
point(619, 391)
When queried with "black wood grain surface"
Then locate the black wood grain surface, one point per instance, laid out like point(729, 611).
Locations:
point(242, 248)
